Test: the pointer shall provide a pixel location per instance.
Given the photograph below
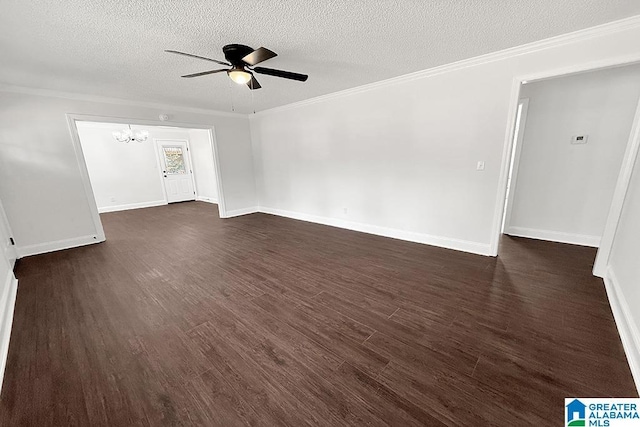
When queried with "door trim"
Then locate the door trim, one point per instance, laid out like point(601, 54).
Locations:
point(518, 140)
point(9, 248)
point(623, 180)
point(84, 176)
point(82, 165)
point(157, 142)
point(619, 195)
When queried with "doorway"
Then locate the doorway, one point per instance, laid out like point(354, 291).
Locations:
point(570, 142)
point(177, 172)
point(135, 167)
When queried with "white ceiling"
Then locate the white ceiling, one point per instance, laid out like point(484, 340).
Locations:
point(115, 48)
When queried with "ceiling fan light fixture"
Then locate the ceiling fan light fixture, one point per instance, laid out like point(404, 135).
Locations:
point(239, 76)
point(242, 59)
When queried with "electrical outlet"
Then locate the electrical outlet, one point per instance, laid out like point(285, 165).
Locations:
point(480, 166)
point(113, 199)
point(345, 211)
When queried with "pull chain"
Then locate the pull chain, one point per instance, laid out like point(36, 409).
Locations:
point(253, 102)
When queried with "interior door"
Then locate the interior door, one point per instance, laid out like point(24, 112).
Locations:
point(176, 171)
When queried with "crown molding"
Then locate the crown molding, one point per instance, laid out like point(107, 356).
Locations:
point(563, 39)
point(10, 88)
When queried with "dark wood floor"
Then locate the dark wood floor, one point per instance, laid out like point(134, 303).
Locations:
point(181, 318)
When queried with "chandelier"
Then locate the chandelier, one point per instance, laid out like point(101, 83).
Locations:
point(127, 135)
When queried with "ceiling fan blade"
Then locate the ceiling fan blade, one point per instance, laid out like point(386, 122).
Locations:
point(253, 83)
point(281, 73)
point(204, 73)
point(199, 57)
point(259, 55)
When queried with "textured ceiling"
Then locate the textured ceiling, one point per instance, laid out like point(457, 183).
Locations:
point(115, 48)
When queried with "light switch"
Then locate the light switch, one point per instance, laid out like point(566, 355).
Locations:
point(480, 166)
point(579, 139)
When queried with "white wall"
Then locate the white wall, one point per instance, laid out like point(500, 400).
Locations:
point(40, 182)
point(401, 155)
point(203, 165)
point(562, 191)
point(624, 274)
point(122, 175)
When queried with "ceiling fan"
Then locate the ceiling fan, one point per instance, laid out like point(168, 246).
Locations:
point(243, 60)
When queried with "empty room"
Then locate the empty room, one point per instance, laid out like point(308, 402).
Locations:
point(397, 213)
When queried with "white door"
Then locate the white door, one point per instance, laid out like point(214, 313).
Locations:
point(176, 171)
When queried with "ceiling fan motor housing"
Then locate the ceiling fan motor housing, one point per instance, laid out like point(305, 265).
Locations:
point(235, 52)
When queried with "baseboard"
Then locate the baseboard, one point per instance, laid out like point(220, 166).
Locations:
point(117, 208)
point(627, 329)
point(7, 304)
point(554, 236)
point(207, 199)
point(443, 242)
point(239, 212)
point(58, 245)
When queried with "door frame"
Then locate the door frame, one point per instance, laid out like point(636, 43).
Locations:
point(515, 163)
point(620, 193)
point(189, 160)
point(84, 173)
point(602, 258)
point(9, 249)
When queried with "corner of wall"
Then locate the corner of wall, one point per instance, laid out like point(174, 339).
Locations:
point(627, 329)
point(256, 154)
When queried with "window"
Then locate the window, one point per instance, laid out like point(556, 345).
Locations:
point(174, 160)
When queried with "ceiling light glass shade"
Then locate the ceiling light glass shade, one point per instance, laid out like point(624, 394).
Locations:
point(239, 76)
point(127, 135)
point(124, 136)
point(141, 136)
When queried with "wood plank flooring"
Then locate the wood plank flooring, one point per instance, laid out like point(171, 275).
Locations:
point(181, 318)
